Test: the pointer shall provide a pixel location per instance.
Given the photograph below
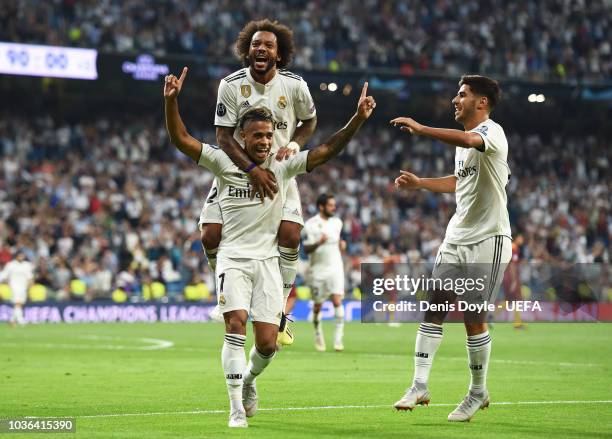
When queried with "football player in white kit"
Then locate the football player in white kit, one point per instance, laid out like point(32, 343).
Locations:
point(478, 232)
point(248, 271)
point(323, 245)
point(19, 274)
point(265, 48)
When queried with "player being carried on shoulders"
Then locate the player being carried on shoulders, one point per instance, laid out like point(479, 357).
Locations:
point(265, 48)
point(248, 271)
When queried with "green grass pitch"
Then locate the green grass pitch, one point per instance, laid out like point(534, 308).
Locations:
point(122, 380)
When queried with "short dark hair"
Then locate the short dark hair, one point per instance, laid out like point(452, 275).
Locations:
point(483, 86)
point(322, 199)
point(284, 39)
point(260, 114)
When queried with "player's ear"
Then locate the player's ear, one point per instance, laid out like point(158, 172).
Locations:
point(242, 135)
point(484, 102)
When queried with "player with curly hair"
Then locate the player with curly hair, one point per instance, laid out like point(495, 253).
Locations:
point(265, 48)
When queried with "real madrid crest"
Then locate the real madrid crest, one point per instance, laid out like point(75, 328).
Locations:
point(245, 90)
point(282, 102)
point(221, 300)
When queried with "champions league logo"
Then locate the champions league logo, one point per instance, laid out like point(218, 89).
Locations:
point(221, 110)
point(145, 68)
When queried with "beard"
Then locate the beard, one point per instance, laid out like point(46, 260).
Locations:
point(269, 65)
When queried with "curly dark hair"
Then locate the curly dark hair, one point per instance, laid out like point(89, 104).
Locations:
point(284, 38)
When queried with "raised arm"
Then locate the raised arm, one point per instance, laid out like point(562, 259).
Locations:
point(332, 146)
point(409, 181)
point(300, 137)
point(448, 136)
point(305, 131)
point(174, 124)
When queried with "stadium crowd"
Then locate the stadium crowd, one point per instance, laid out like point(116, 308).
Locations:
point(551, 39)
point(113, 205)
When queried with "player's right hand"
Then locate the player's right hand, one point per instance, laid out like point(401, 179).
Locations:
point(263, 182)
point(173, 85)
point(407, 181)
point(407, 124)
point(366, 104)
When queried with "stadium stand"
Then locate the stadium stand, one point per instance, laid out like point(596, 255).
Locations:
point(551, 39)
point(104, 206)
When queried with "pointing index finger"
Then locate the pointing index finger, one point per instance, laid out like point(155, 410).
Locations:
point(183, 74)
point(364, 90)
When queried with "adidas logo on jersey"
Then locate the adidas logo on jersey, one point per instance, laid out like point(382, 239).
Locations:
point(245, 104)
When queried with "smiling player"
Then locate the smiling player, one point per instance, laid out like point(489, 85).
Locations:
point(265, 48)
point(248, 269)
point(478, 233)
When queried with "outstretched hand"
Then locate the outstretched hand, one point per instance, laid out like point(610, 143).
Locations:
point(366, 104)
point(407, 181)
point(173, 85)
point(407, 124)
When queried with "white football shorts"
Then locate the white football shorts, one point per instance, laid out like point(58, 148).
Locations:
point(477, 270)
point(253, 285)
point(19, 295)
point(323, 287)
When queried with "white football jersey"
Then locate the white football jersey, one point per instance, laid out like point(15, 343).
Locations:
point(481, 198)
point(250, 227)
point(326, 259)
point(18, 275)
point(286, 96)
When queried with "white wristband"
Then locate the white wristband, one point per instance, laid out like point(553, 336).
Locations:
point(294, 146)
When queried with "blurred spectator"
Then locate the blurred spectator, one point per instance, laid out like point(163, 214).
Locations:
point(533, 39)
point(82, 218)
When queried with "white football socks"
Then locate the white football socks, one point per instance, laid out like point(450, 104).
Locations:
point(339, 319)
point(257, 363)
point(234, 363)
point(288, 266)
point(316, 320)
point(428, 339)
point(18, 315)
point(479, 352)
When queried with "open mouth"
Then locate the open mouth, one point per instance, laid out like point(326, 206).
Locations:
point(261, 62)
point(262, 152)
